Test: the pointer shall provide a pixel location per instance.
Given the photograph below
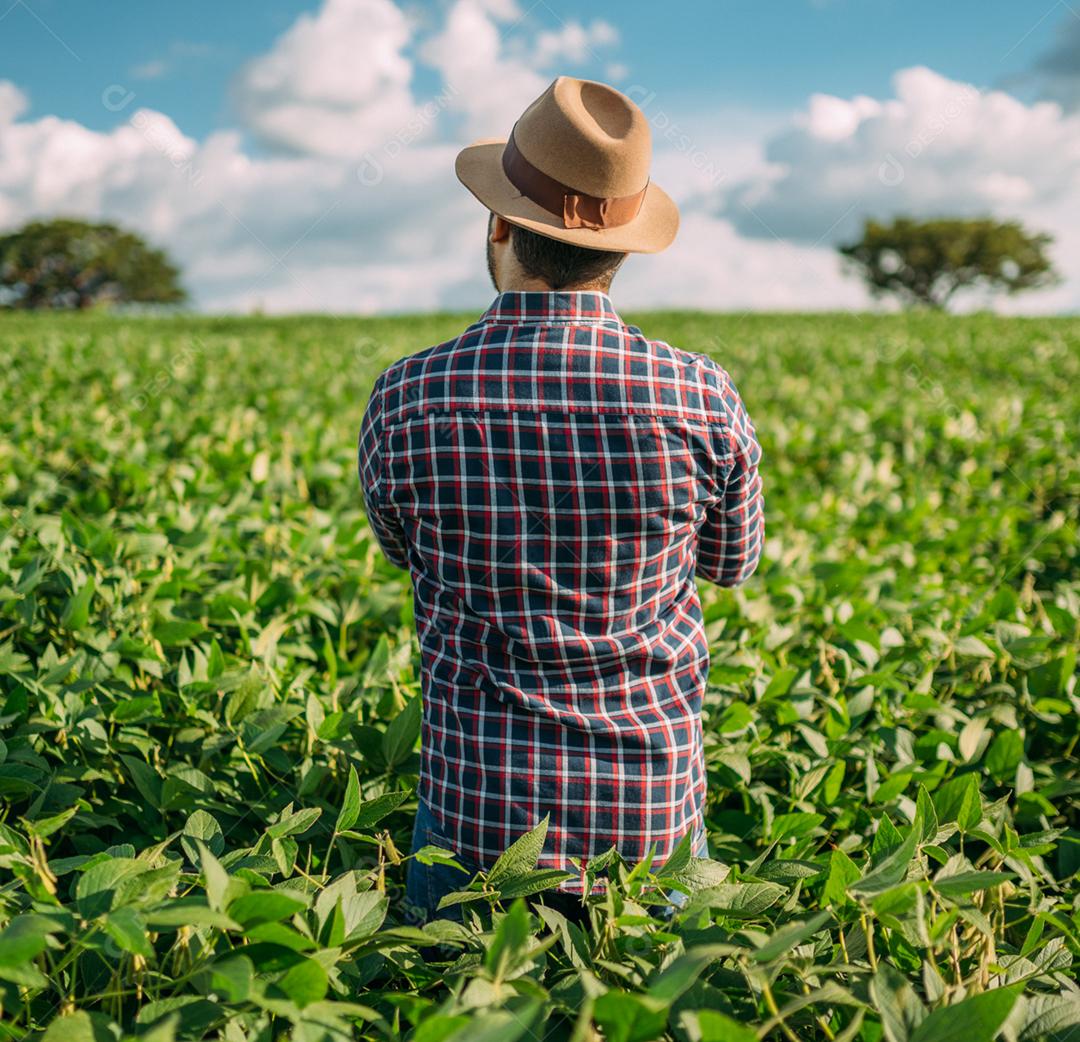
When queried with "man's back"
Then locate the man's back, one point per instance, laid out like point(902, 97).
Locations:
point(553, 480)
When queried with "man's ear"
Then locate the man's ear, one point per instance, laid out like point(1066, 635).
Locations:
point(500, 229)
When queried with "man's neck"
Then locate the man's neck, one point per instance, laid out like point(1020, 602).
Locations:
point(529, 285)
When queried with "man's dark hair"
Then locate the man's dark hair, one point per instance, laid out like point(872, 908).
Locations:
point(559, 264)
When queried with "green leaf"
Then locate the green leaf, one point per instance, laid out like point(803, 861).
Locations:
point(964, 883)
point(975, 1019)
point(1005, 753)
point(791, 935)
point(350, 805)
point(97, 888)
point(374, 810)
point(24, 938)
point(628, 1017)
point(265, 906)
point(203, 827)
point(892, 869)
point(713, 1026)
point(401, 736)
point(295, 824)
point(81, 1026)
point(128, 931)
point(305, 983)
point(520, 857)
point(231, 977)
point(739, 900)
point(958, 800)
point(509, 943)
point(535, 882)
point(76, 612)
point(896, 1002)
point(842, 873)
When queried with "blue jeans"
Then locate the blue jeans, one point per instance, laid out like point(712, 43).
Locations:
point(426, 885)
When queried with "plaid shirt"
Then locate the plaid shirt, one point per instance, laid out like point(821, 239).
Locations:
point(554, 481)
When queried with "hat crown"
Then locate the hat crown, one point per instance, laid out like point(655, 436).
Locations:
point(587, 135)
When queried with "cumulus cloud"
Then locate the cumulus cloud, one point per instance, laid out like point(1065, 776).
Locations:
point(938, 146)
point(13, 102)
point(490, 88)
point(575, 42)
point(336, 83)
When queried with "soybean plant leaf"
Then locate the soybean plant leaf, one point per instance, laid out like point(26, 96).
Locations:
point(958, 800)
point(374, 810)
point(520, 857)
point(510, 941)
point(295, 824)
point(400, 737)
point(927, 815)
point(895, 1000)
point(681, 974)
point(975, 1019)
point(350, 805)
point(791, 935)
point(305, 983)
point(81, 1026)
point(738, 900)
point(128, 931)
point(77, 610)
point(501, 1025)
point(628, 1017)
point(204, 827)
point(533, 883)
point(24, 938)
point(216, 878)
point(1053, 1017)
point(680, 857)
point(264, 906)
point(892, 869)
point(713, 1026)
point(964, 883)
point(97, 889)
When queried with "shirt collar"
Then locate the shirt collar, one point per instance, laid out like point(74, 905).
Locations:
point(520, 308)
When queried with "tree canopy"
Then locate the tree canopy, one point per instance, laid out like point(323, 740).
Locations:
point(67, 264)
point(927, 262)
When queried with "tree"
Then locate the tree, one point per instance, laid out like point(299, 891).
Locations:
point(926, 262)
point(74, 264)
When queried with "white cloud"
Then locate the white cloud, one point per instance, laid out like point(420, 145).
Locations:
point(712, 267)
point(574, 42)
point(336, 83)
point(154, 69)
point(939, 146)
point(13, 102)
point(490, 88)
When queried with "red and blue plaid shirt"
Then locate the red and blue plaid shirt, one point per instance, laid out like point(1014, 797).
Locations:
point(554, 481)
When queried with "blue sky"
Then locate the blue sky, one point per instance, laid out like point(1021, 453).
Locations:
point(239, 135)
point(767, 54)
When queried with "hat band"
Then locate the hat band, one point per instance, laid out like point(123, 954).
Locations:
point(576, 209)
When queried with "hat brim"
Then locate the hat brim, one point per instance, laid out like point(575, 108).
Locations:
point(479, 168)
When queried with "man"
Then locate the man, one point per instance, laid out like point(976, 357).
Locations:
point(554, 481)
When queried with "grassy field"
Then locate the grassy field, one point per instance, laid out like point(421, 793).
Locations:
point(208, 684)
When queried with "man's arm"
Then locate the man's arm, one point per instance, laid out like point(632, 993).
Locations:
point(732, 537)
point(383, 523)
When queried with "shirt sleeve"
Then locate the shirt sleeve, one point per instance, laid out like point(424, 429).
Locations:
point(383, 522)
point(731, 539)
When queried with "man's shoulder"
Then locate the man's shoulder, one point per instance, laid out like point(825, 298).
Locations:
point(429, 359)
point(693, 365)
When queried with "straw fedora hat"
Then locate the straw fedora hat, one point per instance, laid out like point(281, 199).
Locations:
point(575, 168)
